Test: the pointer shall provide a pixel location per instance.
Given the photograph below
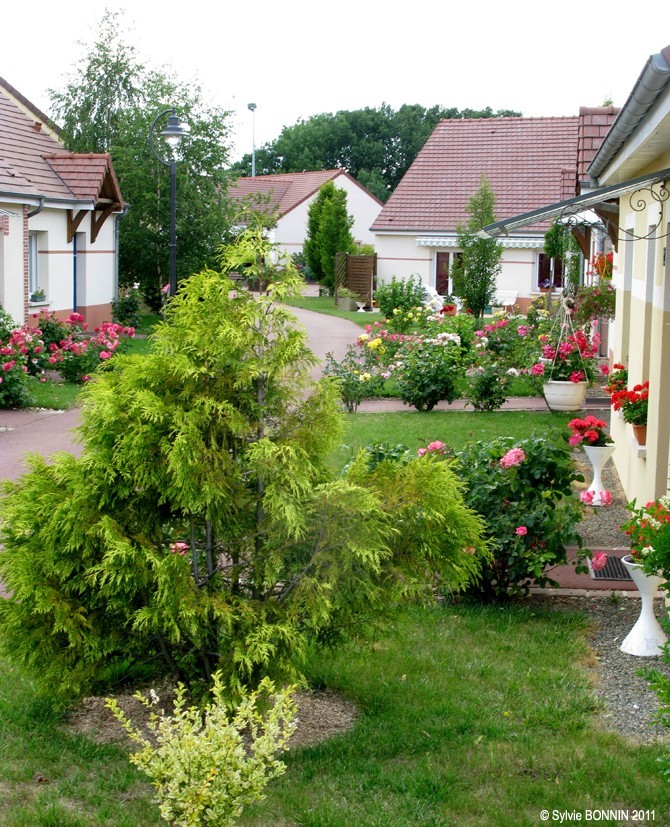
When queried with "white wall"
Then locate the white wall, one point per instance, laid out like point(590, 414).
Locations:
point(292, 227)
point(401, 256)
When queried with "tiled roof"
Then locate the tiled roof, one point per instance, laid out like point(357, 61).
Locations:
point(529, 162)
point(286, 190)
point(89, 177)
point(33, 163)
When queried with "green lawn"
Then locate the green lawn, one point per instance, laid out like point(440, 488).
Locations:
point(326, 304)
point(455, 428)
point(469, 715)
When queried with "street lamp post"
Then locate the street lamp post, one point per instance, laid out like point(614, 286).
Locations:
point(252, 108)
point(173, 134)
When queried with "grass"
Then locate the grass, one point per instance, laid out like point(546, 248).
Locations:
point(469, 715)
point(326, 304)
point(455, 428)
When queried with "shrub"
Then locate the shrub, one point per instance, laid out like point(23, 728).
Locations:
point(126, 307)
point(427, 372)
point(20, 354)
point(202, 528)
point(205, 764)
point(488, 387)
point(523, 492)
point(401, 294)
point(356, 375)
point(77, 356)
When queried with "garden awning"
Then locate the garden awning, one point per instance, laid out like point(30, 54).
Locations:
point(576, 205)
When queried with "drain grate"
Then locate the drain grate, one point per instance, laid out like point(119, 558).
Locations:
point(614, 569)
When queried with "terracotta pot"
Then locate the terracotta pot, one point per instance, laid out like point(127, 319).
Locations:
point(564, 395)
point(640, 432)
point(449, 310)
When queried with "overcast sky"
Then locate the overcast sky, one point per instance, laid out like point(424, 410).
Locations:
point(297, 58)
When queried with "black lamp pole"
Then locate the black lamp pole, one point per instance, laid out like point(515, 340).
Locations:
point(173, 134)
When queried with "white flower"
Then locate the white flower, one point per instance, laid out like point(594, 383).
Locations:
point(512, 372)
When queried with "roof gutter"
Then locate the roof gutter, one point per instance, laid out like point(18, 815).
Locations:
point(652, 82)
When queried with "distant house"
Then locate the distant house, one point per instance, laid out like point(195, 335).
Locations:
point(290, 195)
point(58, 219)
point(528, 162)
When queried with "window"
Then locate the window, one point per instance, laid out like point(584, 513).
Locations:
point(33, 266)
point(544, 277)
point(443, 263)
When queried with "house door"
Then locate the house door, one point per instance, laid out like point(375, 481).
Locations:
point(442, 273)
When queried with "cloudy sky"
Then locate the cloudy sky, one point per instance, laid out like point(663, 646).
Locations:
point(297, 58)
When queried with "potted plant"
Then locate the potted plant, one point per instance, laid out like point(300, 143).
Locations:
point(449, 306)
point(38, 295)
point(648, 564)
point(346, 299)
point(634, 406)
point(566, 367)
point(592, 434)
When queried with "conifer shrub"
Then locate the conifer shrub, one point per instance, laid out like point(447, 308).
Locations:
point(202, 529)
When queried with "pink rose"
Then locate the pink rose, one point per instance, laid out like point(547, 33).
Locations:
point(422, 452)
point(606, 498)
point(179, 548)
point(598, 561)
point(436, 446)
point(587, 497)
point(521, 530)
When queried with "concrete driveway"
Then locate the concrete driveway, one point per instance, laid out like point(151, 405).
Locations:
point(47, 432)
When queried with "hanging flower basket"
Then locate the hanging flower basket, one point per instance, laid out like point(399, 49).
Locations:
point(563, 395)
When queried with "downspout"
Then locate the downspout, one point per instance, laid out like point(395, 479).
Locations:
point(74, 273)
point(117, 236)
point(38, 209)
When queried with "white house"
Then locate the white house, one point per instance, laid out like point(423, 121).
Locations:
point(528, 162)
point(290, 195)
point(58, 219)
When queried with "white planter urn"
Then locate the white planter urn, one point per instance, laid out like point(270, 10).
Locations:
point(646, 639)
point(563, 395)
point(598, 457)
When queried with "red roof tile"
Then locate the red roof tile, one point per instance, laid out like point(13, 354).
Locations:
point(33, 163)
point(286, 190)
point(529, 162)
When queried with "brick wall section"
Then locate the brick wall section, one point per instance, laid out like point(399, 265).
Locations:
point(594, 124)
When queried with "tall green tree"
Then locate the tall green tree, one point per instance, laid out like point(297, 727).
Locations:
point(476, 271)
point(108, 105)
point(328, 232)
point(375, 146)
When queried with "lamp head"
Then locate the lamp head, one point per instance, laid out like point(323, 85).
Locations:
point(251, 107)
point(174, 132)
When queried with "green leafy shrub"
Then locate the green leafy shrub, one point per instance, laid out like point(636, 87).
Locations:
point(357, 377)
point(401, 294)
point(524, 494)
point(488, 387)
point(202, 528)
point(428, 372)
point(206, 764)
point(20, 355)
point(126, 307)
